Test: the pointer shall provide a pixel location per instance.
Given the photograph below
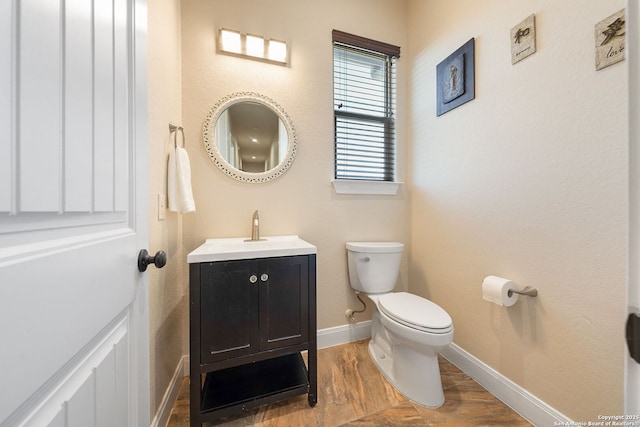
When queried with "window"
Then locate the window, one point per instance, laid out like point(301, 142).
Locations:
point(364, 107)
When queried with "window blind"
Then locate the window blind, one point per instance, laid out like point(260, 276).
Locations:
point(364, 107)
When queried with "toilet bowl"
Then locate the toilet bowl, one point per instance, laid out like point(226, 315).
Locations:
point(407, 331)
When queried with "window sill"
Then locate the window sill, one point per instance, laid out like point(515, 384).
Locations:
point(349, 186)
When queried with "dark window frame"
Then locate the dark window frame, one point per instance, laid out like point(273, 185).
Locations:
point(378, 166)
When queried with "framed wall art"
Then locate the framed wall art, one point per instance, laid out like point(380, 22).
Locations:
point(610, 40)
point(455, 78)
point(523, 39)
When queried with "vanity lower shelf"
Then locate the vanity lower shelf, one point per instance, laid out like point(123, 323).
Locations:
point(247, 386)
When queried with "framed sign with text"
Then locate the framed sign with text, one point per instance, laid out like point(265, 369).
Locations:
point(609, 39)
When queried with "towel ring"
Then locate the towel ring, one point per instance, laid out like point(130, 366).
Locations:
point(174, 129)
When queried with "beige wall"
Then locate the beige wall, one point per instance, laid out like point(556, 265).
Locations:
point(528, 181)
point(302, 201)
point(168, 290)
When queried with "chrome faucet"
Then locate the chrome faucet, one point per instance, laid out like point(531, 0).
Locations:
point(255, 228)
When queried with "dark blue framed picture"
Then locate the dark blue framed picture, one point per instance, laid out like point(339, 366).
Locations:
point(455, 77)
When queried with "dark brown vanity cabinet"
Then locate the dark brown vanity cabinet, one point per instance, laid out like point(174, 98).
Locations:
point(249, 321)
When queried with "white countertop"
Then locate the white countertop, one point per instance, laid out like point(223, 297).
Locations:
point(239, 248)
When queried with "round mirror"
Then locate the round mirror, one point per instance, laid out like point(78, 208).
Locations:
point(250, 137)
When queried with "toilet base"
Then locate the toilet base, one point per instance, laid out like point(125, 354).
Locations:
point(414, 374)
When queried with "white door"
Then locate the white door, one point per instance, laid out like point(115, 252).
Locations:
point(632, 388)
point(73, 191)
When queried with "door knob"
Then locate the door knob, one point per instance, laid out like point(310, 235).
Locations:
point(633, 336)
point(159, 259)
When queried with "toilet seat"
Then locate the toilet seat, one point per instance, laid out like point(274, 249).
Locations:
point(415, 312)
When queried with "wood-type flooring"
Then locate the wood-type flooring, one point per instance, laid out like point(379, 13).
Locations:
point(352, 392)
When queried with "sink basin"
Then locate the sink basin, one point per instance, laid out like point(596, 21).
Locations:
point(238, 248)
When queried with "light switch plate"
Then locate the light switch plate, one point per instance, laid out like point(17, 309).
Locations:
point(162, 206)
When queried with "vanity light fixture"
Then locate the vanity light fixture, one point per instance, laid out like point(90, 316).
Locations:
point(252, 46)
point(255, 46)
point(230, 41)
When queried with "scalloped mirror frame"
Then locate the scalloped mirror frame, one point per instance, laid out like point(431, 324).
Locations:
point(212, 149)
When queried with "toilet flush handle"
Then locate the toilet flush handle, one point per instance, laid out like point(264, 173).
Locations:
point(365, 259)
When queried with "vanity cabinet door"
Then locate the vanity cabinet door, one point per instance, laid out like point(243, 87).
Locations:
point(229, 316)
point(284, 301)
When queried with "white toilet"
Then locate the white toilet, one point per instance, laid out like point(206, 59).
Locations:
point(407, 331)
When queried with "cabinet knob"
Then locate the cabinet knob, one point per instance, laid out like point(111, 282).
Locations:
point(253, 278)
point(264, 277)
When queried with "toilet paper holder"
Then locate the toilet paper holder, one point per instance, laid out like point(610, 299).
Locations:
point(529, 291)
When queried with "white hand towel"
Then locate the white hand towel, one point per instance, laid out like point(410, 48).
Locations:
point(179, 189)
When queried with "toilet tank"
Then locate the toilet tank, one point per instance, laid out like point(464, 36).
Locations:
point(374, 266)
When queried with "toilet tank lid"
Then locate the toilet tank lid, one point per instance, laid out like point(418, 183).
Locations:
point(375, 247)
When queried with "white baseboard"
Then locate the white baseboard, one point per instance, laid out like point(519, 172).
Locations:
point(344, 334)
point(164, 411)
point(516, 397)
